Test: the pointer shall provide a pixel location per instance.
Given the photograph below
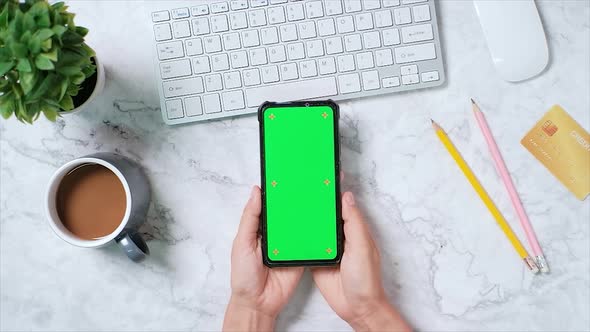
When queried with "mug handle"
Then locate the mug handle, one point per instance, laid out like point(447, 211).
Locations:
point(134, 246)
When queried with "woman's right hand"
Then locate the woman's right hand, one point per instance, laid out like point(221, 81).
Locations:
point(354, 289)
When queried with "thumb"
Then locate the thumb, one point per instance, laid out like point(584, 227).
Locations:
point(356, 231)
point(248, 229)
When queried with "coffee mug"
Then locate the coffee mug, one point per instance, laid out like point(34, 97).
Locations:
point(137, 194)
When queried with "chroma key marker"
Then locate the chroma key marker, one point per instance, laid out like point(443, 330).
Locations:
point(275, 252)
point(273, 183)
point(328, 250)
point(326, 182)
point(272, 116)
point(325, 115)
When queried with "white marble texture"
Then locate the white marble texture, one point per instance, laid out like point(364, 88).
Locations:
point(446, 265)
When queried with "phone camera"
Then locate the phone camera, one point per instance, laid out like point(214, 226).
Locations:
point(306, 104)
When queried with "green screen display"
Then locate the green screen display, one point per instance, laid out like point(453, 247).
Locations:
point(300, 183)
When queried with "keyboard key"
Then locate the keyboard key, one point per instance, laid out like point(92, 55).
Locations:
point(258, 57)
point(383, 19)
point(383, 57)
point(371, 4)
point(181, 29)
point(270, 74)
point(233, 100)
point(345, 63)
point(238, 4)
point(410, 79)
point(213, 82)
point(231, 41)
point(402, 16)
point(333, 7)
point(352, 43)
point(239, 59)
point(289, 71)
point(349, 83)
point(391, 37)
point(251, 77)
point(365, 60)
point(160, 16)
point(200, 10)
point(345, 24)
point(351, 6)
point(276, 2)
point(201, 65)
point(409, 2)
point(314, 9)
point(370, 80)
point(390, 3)
point(277, 54)
point(363, 21)
point(219, 7)
point(307, 30)
point(295, 12)
point(269, 35)
point(162, 32)
point(416, 33)
point(212, 44)
point(295, 51)
point(257, 18)
point(390, 82)
point(421, 13)
point(430, 76)
point(220, 62)
point(250, 38)
point(170, 50)
point(232, 80)
point(180, 13)
point(276, 15)
point(371, 40)
point(258, 3)
point(408, 70)
point(176, 68)
point(200, 26)
point(183, 87)
point(193, 106)
point(315, 48)
point(415, 53)
point(334, 45)
point(288, 32)
point(174, 109)
point(308, 68)
point(219, 23)
point(211, 103)
point(193, 46)
point(326, 27)
point(305, 89)
point(238, 20)
point(327, 66)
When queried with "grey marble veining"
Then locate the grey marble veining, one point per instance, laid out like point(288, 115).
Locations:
point(445, 263)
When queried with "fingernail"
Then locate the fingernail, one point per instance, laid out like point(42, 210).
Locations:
point(349, 198)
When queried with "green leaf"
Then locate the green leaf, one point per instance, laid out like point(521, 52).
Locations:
point(63, 88)
point(68, 70)
point(5, 67)
point(34, 45)
point(7, 105)
point(42, 87)
point(46, 45)
point(27, 81)
point(19, 50)
point(78, 78)
point(82, 31)
point(71, 38)
point(29, 22)
point(59, 30)
point(43, 62)
point(50, 113)
point(66, 103)
point(51, 55)
point(44, 33)
point(23, 65)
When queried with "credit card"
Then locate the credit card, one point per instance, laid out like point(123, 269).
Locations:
point(563, 146)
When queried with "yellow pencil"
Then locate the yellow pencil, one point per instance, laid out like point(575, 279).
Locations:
point(446, 141)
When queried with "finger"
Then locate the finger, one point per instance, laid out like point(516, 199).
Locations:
point(356, 230)
point(248, 229)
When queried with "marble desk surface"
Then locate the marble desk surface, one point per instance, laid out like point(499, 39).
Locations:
point(446, 265)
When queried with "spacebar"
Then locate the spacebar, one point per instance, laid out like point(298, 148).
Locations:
point(321, 87)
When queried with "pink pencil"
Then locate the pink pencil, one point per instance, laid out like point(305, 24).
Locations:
point(501, 167)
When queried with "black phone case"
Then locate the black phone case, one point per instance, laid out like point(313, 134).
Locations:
point(339, 222)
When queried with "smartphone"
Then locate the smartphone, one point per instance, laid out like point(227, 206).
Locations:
point(301, 223)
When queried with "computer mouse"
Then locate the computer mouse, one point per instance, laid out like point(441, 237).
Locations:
point(515, 37)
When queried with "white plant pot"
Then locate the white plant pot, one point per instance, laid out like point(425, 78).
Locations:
point(100, 79)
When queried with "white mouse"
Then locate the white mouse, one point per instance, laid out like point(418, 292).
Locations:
point(515, 37)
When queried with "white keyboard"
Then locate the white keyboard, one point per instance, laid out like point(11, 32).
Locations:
point(223, 59)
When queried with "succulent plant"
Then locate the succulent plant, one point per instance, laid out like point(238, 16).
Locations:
point(43, 59)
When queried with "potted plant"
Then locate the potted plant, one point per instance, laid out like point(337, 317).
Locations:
point(45, 66)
